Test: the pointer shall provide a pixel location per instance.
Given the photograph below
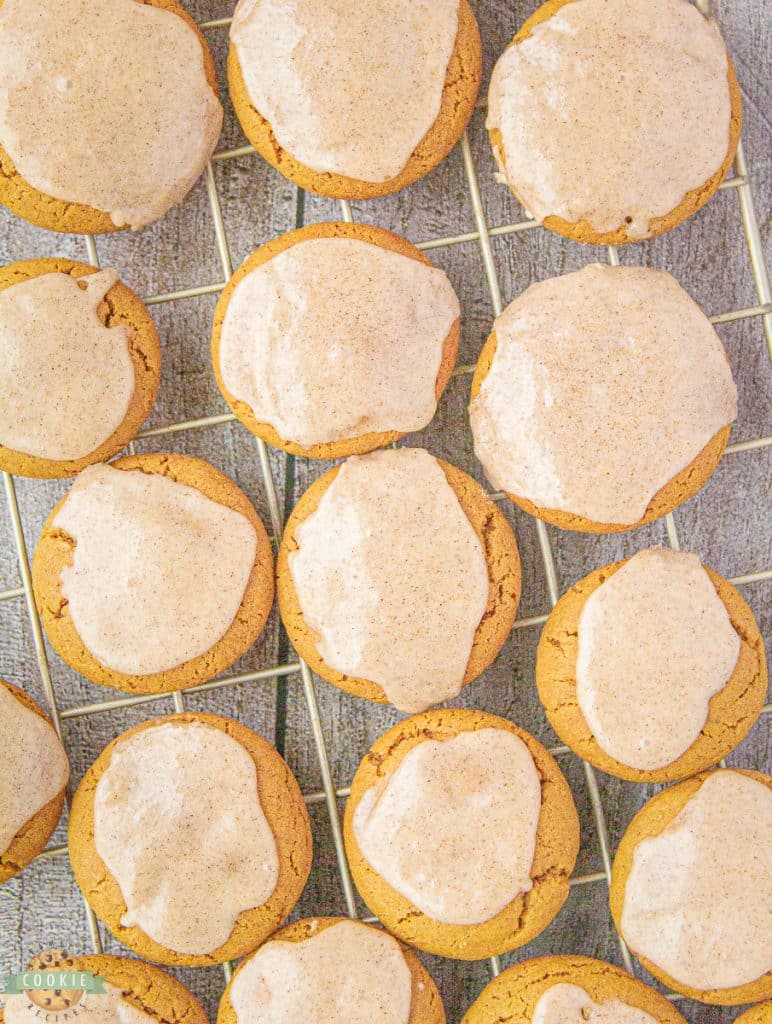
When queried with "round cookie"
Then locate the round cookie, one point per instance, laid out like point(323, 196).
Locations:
point(120, 306)
point(501, 555)
point(733, 711)
point(651, 820)
point(681, 488)
point(332, 229)
point(582, 231)
point(284, 808)
point(53, 214)
point(557, 845)
point(54, 552)
point(462, 83)
point(145, 986)
point(761, 1014)
point(513, 995)
point(425, 1007)
point(31, 839)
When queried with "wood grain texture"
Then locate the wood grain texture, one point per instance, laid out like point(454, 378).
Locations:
point(725, 524)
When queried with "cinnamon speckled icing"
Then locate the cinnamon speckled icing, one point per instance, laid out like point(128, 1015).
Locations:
point(348, 87)
point(345, 974)
point(105, 103)
point(158, 570)
point(570, 1004)
point(335, 337)
point(698, 899)
point(605, 384)
point(98, 1008)
point(453, 827)
point(33, 768)
point(655, 644)
point(178, 824)
point(66, 378)
point(611, 111)
point(391, 577)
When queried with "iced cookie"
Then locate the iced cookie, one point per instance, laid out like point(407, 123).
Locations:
point(461, 833)
point(109, 111)
point(652, 669)
point(33, 779)
point(691, 887)
point(190, 839)
point(398, 578)
point(331, 95)
point(335, 339)
point(603, 399)
point(153, 573)
point(79, 366)
point(614, 120)
point(569, 990)
point(330, 970)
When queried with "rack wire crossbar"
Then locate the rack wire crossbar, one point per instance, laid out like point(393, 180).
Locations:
point(482, 234)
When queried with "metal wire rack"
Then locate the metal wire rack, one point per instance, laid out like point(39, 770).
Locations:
point(738, 183)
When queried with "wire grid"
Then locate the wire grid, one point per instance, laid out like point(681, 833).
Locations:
point(483, 234)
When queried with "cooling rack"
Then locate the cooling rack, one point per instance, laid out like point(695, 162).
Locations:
point(482, 235)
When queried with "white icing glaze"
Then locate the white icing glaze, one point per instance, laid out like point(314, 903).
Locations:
point(33, 768)
point(605, 384)
point(698, 897)
point(66, 379)
point(107, 1008)
point(453, 827)
point(335, 337)
point(347, 88)
point(179, 825)
point(105, 103)
point(611, 111)
point(570, 1004)
point(158, 571)
point(655, 644)
point(391, 577)
point(346, 974)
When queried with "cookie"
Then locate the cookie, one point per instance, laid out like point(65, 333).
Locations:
point(145, 987)
point(696, 97)
point(651, 821)
point(462, 82)
point(349, 446)
point(179, 102)
point(284, 810)
point(732, 711)
point(55, 553)
point(517, 990)
point(120, 306)
point(761, 1014)
point(30, 840)
point(503, 565)
point(425, 1004)
point(556, 845)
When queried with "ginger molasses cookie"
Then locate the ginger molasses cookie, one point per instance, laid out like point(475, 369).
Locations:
point(79, 366)
point(614, 120)
point(129, 992)
point(569, 990)
point(331, 970)
point(335, 339)
point(461, 833)
point(653, 668)
point(691, 887)
point(761, 1014)
point(190, 839)
point(33, 779)
point(398, 578)
point(153, 573)
point(109, 111)
point(331, 95)
point(603, 399)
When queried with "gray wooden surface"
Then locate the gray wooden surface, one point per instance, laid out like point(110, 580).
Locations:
point(725, 524)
